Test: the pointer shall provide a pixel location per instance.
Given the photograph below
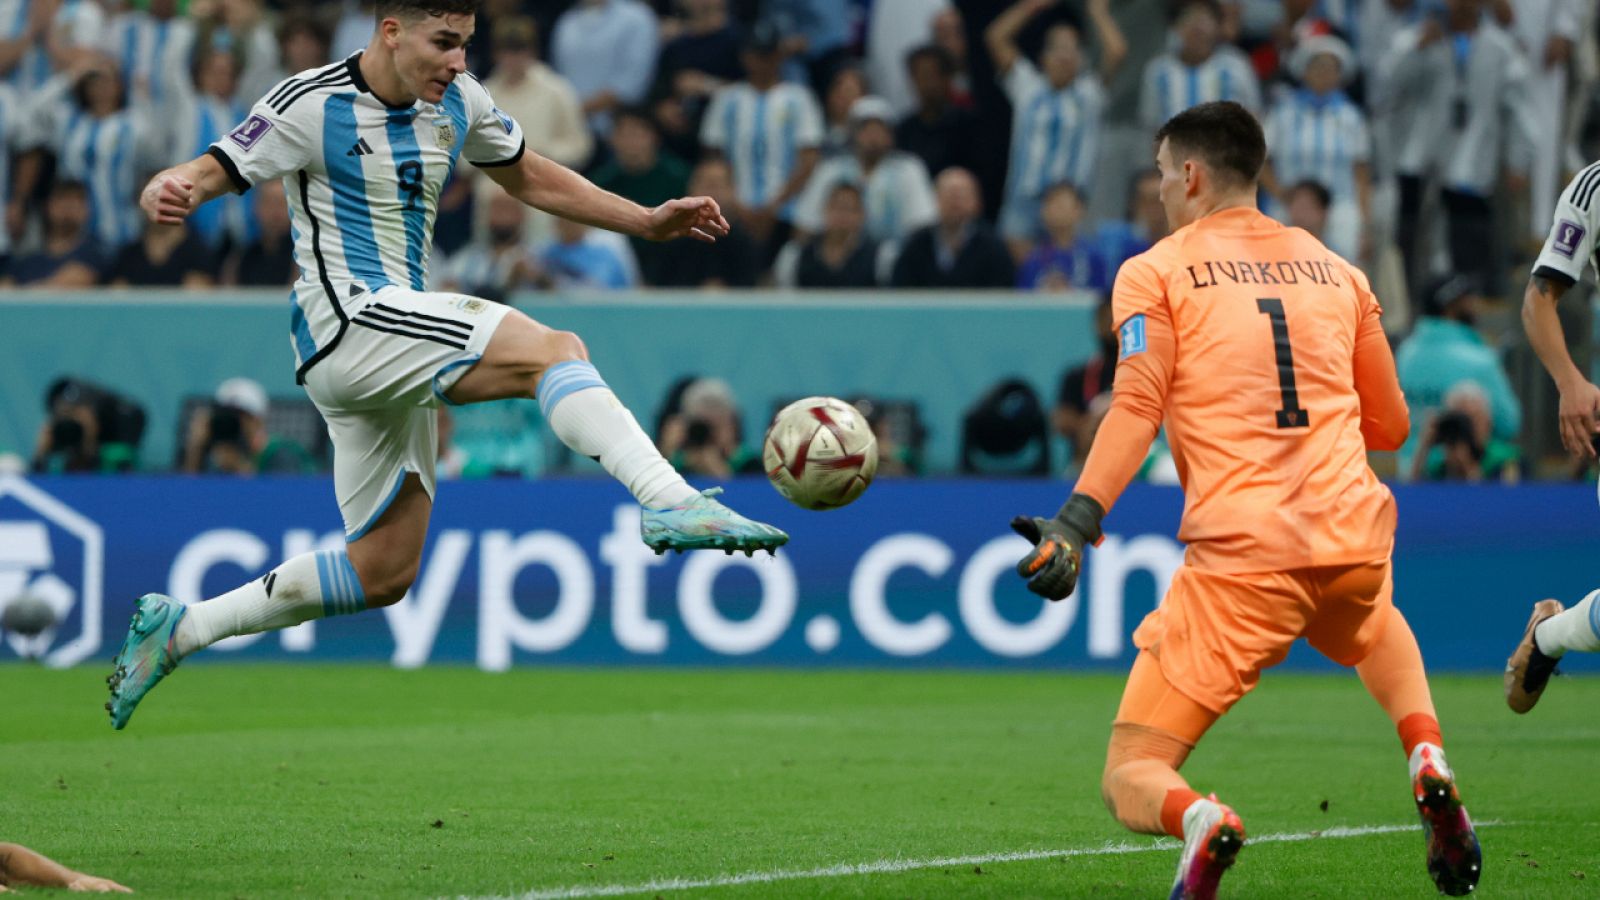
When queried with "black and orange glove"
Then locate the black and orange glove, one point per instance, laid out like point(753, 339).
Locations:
point(1051, 568)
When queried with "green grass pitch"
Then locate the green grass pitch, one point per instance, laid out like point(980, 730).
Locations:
point(263, 781)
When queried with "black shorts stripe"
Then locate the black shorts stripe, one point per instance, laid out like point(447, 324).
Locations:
point(1586, 186)
point(457, 331)
point(416, 315)
point(290, 84)
point(359, 320)
point(332, 81)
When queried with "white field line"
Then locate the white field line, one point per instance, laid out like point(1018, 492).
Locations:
point(890, 866)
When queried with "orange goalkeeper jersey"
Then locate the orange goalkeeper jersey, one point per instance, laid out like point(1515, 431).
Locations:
point(1263, 353)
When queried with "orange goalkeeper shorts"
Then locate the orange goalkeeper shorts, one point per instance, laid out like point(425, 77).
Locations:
point(1215, 632)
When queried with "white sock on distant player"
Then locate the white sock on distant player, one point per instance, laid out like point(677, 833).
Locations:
point(1575, 629)
point(310, 586)
point(590, 419)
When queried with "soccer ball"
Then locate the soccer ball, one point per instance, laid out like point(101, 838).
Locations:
point(820, 453)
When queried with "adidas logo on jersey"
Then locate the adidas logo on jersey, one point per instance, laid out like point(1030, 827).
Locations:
point(362, 148)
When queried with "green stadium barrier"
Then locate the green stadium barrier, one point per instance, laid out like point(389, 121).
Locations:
point(941, 350)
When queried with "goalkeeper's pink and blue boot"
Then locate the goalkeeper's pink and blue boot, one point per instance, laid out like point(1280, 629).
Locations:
point(704, 523)
point(1213, 836)
point(147, 654)
point(1454, 858)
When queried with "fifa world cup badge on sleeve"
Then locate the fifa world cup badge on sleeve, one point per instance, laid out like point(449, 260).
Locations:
point(251, 131)
point(1569, 235)
point(1131, 338)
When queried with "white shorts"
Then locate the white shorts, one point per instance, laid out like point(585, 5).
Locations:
point(381, 387)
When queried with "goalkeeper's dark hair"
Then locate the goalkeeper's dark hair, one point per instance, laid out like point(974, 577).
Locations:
point(1223, 135)
point(418, 9)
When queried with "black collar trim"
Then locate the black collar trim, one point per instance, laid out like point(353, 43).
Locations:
point(354, 65)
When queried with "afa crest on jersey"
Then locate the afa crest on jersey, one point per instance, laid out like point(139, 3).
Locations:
point(445, 134)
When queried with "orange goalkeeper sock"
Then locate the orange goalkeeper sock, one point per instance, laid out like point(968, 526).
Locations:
point(1419, 728)
point(1174, 806)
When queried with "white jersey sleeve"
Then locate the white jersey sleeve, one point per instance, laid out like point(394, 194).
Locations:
point(1570, 246)
point(493, 138)
point(278, 137)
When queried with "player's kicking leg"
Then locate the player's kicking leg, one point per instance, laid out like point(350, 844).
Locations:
point(1155, 729)
point(1551, 632)
point(526, 359)
point(1393, 674)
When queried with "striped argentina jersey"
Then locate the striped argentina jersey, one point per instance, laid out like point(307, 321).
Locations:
point(32, 69)
point(363, 182)
point(761, 134)
point(1055, 133)
point(1170, 87)
point(1321, 138)
point(1570, 247)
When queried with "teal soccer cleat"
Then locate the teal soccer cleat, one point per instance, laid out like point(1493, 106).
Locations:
point(705, 524)
point(146, 656)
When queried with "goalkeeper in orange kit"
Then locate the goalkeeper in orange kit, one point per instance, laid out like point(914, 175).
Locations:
point(1263, 353)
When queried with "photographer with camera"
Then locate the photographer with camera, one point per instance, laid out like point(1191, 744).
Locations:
point(701, 433)
point(229, 436)
point(87, 428)
point(1458, 443)
point(1444, 350)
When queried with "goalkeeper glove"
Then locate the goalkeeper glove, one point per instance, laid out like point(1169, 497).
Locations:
point(1051, 568)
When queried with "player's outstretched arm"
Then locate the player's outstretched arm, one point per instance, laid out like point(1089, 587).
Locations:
point(173, 194)
point(547, 185)
point(1149, 350)
point(1580, 399)
point(20, 866)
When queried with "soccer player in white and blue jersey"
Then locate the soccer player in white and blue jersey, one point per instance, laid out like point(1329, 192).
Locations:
point(1056, 107)
point(1569, 251)
point(364, 147)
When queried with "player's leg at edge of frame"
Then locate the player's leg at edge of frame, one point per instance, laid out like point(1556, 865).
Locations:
point(523, 359)
point(1552, 632)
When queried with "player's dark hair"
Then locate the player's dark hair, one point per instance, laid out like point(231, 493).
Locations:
point(417, 9)
point(1223, 135)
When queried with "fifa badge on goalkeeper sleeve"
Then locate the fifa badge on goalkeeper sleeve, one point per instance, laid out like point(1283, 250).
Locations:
point(1131, 338)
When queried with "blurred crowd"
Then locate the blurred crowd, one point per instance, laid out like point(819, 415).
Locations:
point(868, 143)
point(855, 143)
